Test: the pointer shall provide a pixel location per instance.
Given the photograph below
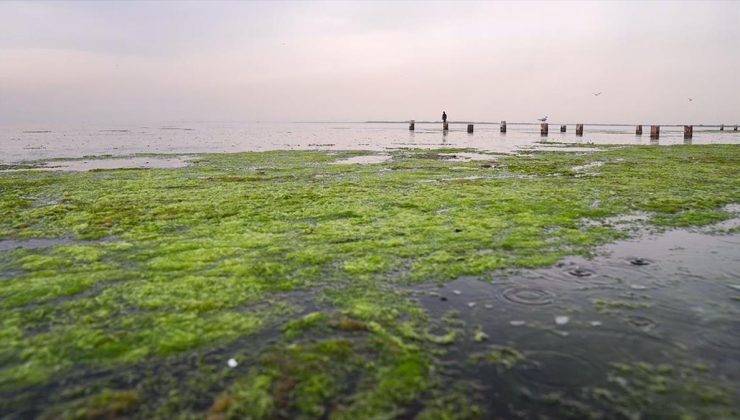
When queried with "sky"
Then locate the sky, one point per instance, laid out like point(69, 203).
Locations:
point(87, 62)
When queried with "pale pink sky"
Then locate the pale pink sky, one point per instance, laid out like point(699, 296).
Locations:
point(296, 61)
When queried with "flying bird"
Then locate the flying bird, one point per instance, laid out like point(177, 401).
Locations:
point(691, 99)
point(598, 93)
point(543, 119)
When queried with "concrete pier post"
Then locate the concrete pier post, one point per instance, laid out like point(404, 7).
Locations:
point(412, 123)
point(562, 128)
point(445, 126)
point(688, 131)
point(470, 128)
point(654, 131)
point(638, 130)
point(544, 128)
point(503, 126)
point(579, 129)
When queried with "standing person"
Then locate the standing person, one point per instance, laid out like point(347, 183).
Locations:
point(444, 117)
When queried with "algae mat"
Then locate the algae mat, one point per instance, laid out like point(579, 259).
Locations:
point(279, 285)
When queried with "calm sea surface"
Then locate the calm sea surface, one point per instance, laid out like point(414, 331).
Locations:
point(25, 143)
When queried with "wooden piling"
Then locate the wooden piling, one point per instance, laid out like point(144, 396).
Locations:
point(688, 131)
point(562, 128)
point(654, 131)
point(470, 128)
point(722, 127)
point(412, 123)
point(445, 126)
point(503, 126)
point(735, 129)
point(544, 128)
point(579, 129)
point(638, 130)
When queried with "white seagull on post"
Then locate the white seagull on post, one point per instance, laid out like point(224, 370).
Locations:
point(543, 119)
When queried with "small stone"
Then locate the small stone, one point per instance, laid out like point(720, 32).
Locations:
point(471, 304)
point(639, 261)
point(637, 287)
point(734, 286)
point(562, 319)
point(518, 323)
point(488, 306)
point(595, 323)
point(232, 363)
point(443, 298)
point(457, 292)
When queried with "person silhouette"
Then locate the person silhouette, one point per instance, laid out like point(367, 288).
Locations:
point(444, 117)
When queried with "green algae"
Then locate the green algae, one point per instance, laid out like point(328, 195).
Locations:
point(679, 391)
point(196, 258)
point(611, 306)
point(503, 356)
point(107, 404)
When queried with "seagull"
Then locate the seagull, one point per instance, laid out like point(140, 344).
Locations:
point(543, 119)
point(598, 93)
point(691, 99)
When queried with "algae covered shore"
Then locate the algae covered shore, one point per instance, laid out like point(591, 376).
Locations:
point(282, 285)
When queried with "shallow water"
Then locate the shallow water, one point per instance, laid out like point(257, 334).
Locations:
point(669, 299)
point(84, 165)
point(24, 143)
point(366, 159)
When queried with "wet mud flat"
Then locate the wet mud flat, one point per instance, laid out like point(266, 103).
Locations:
point(649, 328)
point(282, 285)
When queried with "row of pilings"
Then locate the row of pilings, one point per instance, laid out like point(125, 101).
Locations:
point(688, 130)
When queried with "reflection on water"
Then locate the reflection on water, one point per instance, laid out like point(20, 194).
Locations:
point(120, 163)
point(366, 159)
point(666, 300)
point(20, 143)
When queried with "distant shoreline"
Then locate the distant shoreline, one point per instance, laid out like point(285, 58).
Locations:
point(537, 123)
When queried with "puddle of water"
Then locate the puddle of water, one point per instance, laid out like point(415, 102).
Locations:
point(364, 160)
point(10, 244)
point(561, 148)
point(661, 299)
point(586, 167)
point(116, 163)
point(467, 156)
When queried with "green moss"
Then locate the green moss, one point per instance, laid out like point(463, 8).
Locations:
point(452, 406)
point(479, 335)
point(105, 405)
point(499, 355)
point(171, 265)
point(309, 321)
point(249, 399)
point(678, 391)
